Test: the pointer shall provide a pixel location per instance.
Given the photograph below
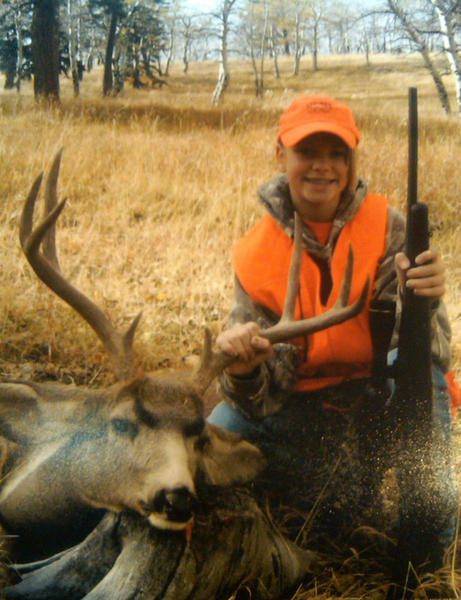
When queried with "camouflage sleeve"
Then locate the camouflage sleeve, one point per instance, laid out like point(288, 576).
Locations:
point(267, 389)
point(386, 289)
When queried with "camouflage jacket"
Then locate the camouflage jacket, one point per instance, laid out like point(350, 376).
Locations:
point(269, 388)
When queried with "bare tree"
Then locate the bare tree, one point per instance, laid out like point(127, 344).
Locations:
point(254, 20)
point(341, 19)
point(418, 38)
point(188, 33)
point(314, 21)
point(274, 38)
point(114, 10)
point(73, 10)
point(299, 14)
point(374, 29)
point(18, 25)
point(278, 35)
point(171, 18)
point(223, 16)
point(449, 15)
point(304, 21)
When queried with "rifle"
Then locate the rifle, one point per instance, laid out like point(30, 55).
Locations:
point(414, 349)
point(412, 368)
point(413, 398)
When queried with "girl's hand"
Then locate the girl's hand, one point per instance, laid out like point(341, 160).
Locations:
point(244, 342)
point(427, 278)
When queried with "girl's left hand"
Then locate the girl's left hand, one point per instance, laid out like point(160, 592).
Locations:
point(427, 278)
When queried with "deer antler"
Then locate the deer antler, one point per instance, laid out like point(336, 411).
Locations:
point(119, 345)
point(46, 266)
point(287, 328)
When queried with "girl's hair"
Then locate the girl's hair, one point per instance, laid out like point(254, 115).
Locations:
point(351, 174)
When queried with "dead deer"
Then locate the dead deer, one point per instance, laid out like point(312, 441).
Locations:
point(70, 452)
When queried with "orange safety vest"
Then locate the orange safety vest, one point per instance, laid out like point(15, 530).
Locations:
point(261, 261)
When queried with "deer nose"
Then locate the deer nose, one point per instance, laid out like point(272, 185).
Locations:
point(177, 504)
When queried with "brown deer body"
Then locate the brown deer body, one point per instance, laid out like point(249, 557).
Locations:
point(142, 445)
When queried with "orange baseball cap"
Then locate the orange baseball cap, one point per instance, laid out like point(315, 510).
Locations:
point(309, 114)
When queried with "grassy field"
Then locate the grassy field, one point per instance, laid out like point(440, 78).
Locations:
point(160, 184)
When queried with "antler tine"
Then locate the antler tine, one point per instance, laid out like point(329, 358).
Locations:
point(293, 273)
point(340, 312)
point(27, 215)
point(347, 279)
point(211, 364)
point(119, 345)
point(287, 327)
point(51, 187)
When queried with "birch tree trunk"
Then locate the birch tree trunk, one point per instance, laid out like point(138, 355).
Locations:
point(223, 73)
point(171, 20)
point(447, 27)
point(297, 44)
point(169, 52)
point(315, 40)
point(72, 45)
point(254, 63)
point(18, 29)
point(262, 50)
point(421, 45)
point(187, 34)
point(274, 50)
point(257, 35)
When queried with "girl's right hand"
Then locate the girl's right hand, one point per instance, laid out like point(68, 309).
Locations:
point(244, 342)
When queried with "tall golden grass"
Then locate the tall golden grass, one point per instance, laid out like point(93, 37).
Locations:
point(160, 184)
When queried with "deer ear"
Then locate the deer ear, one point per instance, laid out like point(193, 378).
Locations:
point(19, 412)
point(227, 458)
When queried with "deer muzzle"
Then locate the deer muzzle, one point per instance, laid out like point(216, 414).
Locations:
point(171, 508)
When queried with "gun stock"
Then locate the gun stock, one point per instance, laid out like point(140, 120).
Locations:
point(414, 377)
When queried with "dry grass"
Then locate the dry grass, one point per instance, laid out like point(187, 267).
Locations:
point(159, 185)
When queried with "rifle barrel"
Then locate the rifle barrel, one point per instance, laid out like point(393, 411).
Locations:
point(412, 146)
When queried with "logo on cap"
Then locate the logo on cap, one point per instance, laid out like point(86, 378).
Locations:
point(319, 106)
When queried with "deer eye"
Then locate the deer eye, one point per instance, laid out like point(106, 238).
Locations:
point(125, 427)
